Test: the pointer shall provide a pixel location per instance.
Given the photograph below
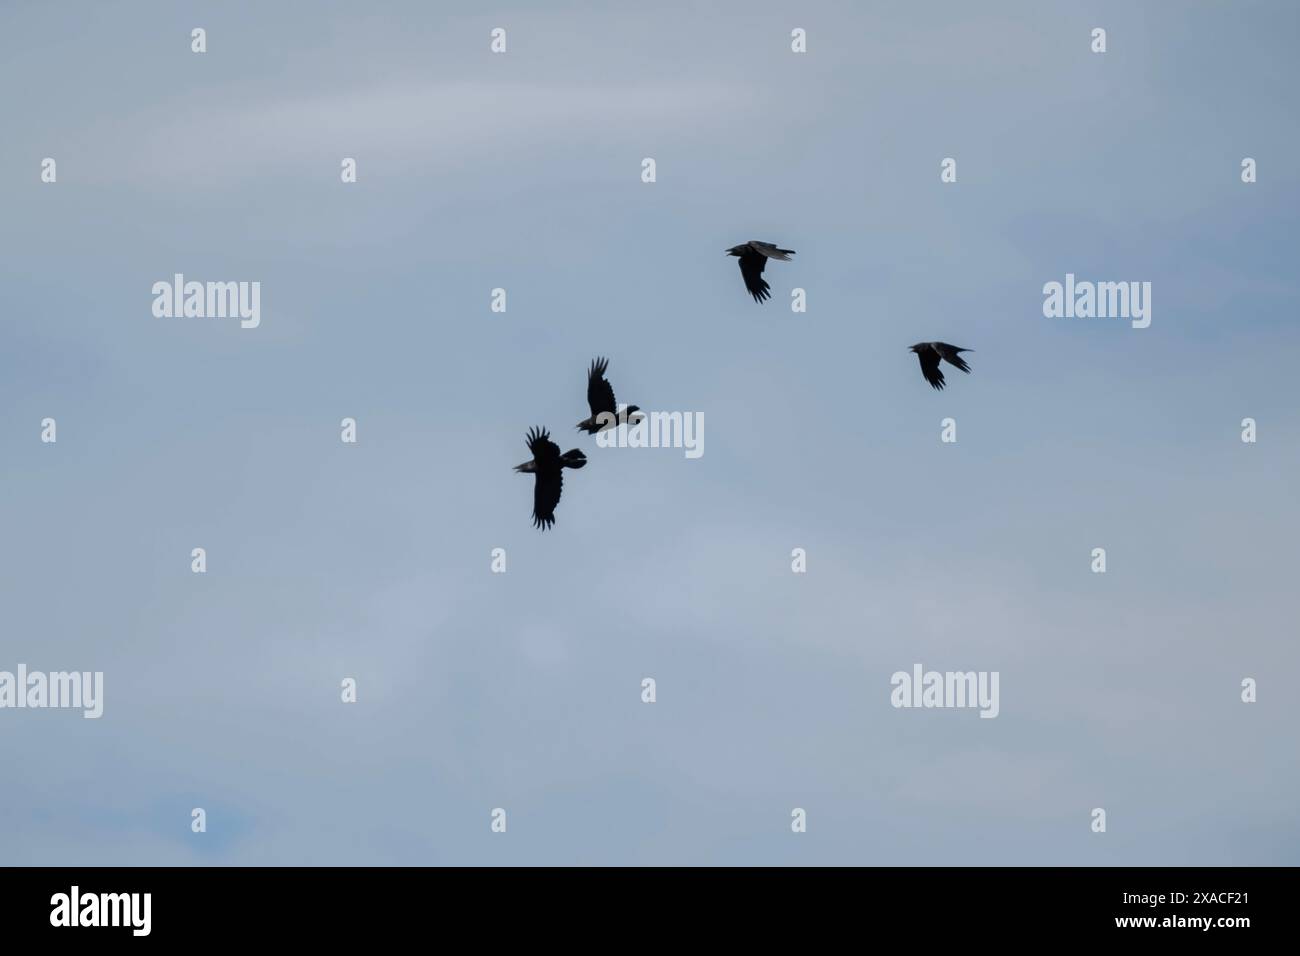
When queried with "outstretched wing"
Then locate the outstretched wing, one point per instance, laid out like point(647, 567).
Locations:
point(950, 354)
point(751, 270)
point(600, 394)
point(547, 483)
point(930, 367)
point(546, 495)
point(771, 250)
point(545, 452)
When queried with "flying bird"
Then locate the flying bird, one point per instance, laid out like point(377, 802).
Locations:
point(753, 256)
point(930, 352)
point(547, 466)
point(600, 398)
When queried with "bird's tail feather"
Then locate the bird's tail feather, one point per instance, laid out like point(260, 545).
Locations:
point(573, 459)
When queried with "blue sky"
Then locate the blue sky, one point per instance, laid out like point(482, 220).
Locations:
point(522, 690)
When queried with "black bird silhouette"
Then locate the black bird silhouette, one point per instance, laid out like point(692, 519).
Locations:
point(600, 398)
point(930, 352)
point(547, 466)
point(753, 256)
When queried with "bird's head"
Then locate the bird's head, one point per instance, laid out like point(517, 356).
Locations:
point(736, 250)
point(919, 346)
point(634, 414)
point(528, 466)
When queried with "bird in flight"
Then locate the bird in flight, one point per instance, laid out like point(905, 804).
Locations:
point(753, 256)
point(930, 352)
point(547, 467)
point(600, 398)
